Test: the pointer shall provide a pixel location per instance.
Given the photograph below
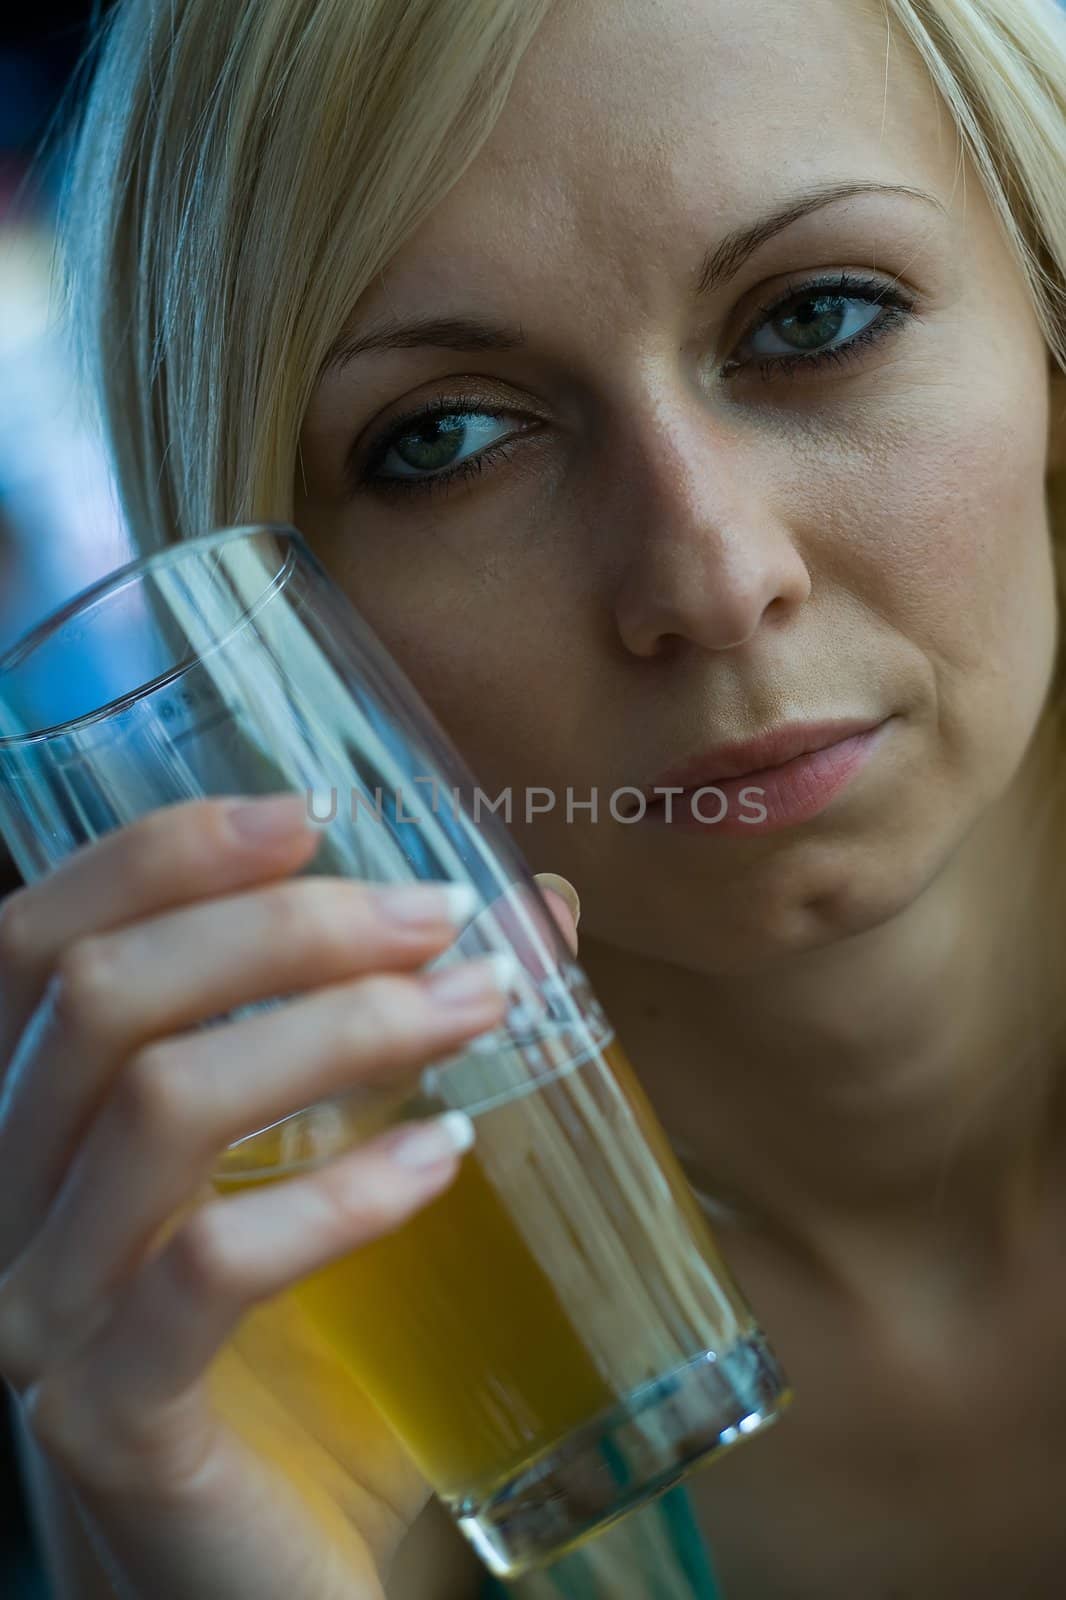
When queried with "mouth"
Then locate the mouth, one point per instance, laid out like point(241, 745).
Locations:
point(783, 777)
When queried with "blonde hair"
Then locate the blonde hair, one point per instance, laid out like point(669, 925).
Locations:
point(243, 170)
point(241, 173)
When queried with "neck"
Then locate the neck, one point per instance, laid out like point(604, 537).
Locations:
point(901, 1082)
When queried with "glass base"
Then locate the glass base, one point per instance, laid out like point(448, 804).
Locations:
point(624, 1457)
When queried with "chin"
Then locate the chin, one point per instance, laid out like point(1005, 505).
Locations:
point(792, 901)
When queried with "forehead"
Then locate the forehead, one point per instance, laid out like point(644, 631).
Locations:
point(635, 128)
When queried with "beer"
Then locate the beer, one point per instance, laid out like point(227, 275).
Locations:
point(565, 1285)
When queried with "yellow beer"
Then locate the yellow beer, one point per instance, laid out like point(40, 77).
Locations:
point(566, 1273)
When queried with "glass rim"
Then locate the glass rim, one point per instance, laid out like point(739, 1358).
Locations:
point(39, 634)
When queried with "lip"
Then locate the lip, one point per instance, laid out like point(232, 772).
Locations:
point(795, 771)
point(752, 757)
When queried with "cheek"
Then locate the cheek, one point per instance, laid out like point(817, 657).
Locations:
point(950, 546)
point(488, 650)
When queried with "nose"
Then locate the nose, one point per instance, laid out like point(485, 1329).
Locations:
point(709, 560)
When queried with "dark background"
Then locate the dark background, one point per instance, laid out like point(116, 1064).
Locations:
point(38, 55)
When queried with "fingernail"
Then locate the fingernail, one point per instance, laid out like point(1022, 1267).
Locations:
point(480, 978)
point(563, 887)
point(414, 904)
point(424, 1144)
point(268, 820)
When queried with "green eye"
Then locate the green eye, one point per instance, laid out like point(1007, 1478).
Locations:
point(436, 443)
point(431, 446)
point(814, 323)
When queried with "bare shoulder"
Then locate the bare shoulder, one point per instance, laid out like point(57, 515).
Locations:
point(435, 1562)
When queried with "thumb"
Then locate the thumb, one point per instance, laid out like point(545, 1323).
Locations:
point(564, 903)
point(520, 916)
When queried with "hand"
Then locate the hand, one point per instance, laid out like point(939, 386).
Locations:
point(122, 1273)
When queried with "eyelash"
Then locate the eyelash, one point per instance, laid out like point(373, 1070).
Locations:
point(899, 307)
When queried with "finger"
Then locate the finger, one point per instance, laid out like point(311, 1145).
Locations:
point(170, 857)
point(564, 905)
point(232, 1253)
point(116, 993)
point(537, 926)
point(159, 1136)
point(188, 966)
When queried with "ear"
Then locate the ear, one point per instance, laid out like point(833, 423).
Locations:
point(1057, 425)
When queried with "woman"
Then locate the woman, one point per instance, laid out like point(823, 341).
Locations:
point(654, 378)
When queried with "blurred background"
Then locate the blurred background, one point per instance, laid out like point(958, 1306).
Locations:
point(59, 523)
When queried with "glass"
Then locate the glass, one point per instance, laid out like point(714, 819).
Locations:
point(556, 1339)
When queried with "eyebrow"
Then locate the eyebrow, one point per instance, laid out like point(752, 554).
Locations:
point(718, 266)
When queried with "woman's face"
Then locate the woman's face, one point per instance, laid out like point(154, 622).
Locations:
point(709, 492)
